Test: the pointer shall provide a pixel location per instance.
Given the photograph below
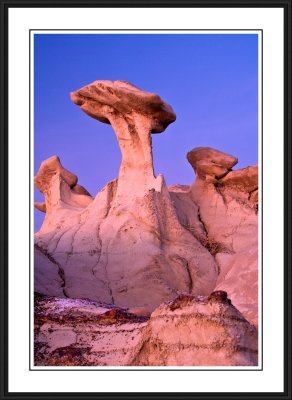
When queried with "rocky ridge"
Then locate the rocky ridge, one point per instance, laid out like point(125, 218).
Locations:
point(187, 331)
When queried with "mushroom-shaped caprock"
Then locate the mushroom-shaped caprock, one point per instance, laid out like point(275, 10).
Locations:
point(134, 115)
point(208, 162)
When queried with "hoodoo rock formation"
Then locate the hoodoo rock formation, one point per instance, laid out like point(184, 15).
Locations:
point(127, 246)
point(134, 115)
point(227, 207)
point(139, 244)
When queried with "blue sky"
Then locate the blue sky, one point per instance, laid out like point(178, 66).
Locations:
point(210, 80)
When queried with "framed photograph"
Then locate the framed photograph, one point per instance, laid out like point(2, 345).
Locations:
point(146, 199)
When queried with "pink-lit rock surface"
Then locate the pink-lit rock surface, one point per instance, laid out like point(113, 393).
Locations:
point(128, 242)
point(134, 114)
point(188, 331)
point(227, 207)
point(139, 244)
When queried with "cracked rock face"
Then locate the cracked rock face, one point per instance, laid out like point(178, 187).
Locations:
point(138, 243)
point(188, 331)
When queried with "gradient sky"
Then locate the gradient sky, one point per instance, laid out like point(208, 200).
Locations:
point(210, 80)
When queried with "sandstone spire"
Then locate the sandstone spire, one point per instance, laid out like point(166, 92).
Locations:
point(134, 115)
point(60, 188)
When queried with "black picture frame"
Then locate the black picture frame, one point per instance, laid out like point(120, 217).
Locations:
point(286, 5)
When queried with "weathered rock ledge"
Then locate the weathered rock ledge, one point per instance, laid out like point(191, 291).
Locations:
point(187, 331)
